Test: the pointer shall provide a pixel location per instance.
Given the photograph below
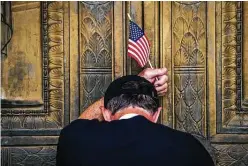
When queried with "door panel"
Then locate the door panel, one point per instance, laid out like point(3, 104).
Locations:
point(63, 55)
point(34, 83)
point(208, 81)
point(95, 50)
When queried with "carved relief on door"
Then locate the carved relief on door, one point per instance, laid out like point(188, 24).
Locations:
point(32, 111)
point(59, 61)
point(203, 45)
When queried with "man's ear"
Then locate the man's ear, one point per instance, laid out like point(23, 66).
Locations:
point(156, 115)
point(106, 113)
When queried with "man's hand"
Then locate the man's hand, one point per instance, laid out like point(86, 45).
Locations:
point(158, 77)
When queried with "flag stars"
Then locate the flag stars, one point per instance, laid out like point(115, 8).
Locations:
point(135, 31)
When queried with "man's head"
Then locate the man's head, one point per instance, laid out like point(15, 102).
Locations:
point(131, 94)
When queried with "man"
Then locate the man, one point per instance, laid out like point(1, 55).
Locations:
point(129, 134)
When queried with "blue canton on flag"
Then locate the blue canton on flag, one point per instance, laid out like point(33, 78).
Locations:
point(138, 44)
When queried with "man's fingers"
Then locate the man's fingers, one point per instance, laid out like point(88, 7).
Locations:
point(158, 77)
point(162, 93)
point(161, 88)
point(162, 80)
point(152, 73)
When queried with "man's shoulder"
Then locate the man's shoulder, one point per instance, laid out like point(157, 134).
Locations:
point(166, 131)
point(78, 125)
point(184, 144)
point(178, 138)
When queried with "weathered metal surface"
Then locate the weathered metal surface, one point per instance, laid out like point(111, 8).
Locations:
point(64, 54)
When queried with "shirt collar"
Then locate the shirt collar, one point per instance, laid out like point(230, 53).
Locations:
point(128, 116)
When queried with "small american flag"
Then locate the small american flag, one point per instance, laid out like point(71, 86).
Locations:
point(138, 44)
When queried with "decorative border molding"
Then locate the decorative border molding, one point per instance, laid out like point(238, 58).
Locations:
point(41, 110)
point(51, 114)
point(228, 45)
point(239, 56)
point(45, 62)
point(231, 114)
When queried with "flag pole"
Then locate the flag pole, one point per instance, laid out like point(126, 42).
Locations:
point(151, 68)
point(129, 17)
point(150, 63)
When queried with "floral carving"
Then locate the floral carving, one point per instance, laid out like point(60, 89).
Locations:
point(230, 155)
point(29, 156)
point(95, 50)
point(96, 36)
point(189, 48)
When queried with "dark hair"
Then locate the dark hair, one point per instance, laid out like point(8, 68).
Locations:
point(139, 100)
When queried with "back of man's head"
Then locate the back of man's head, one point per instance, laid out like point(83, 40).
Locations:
point(131, 91)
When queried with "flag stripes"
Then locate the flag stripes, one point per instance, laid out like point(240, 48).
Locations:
point(138, 45)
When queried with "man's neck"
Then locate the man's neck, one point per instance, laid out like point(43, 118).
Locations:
point(132, 110)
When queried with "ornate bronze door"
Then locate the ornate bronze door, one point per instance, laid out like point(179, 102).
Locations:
point(204, 46)
point(63, 55)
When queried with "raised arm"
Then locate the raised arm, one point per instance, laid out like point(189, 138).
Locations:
point(93, 111)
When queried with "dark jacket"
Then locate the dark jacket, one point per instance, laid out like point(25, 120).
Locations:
point(128, 142)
